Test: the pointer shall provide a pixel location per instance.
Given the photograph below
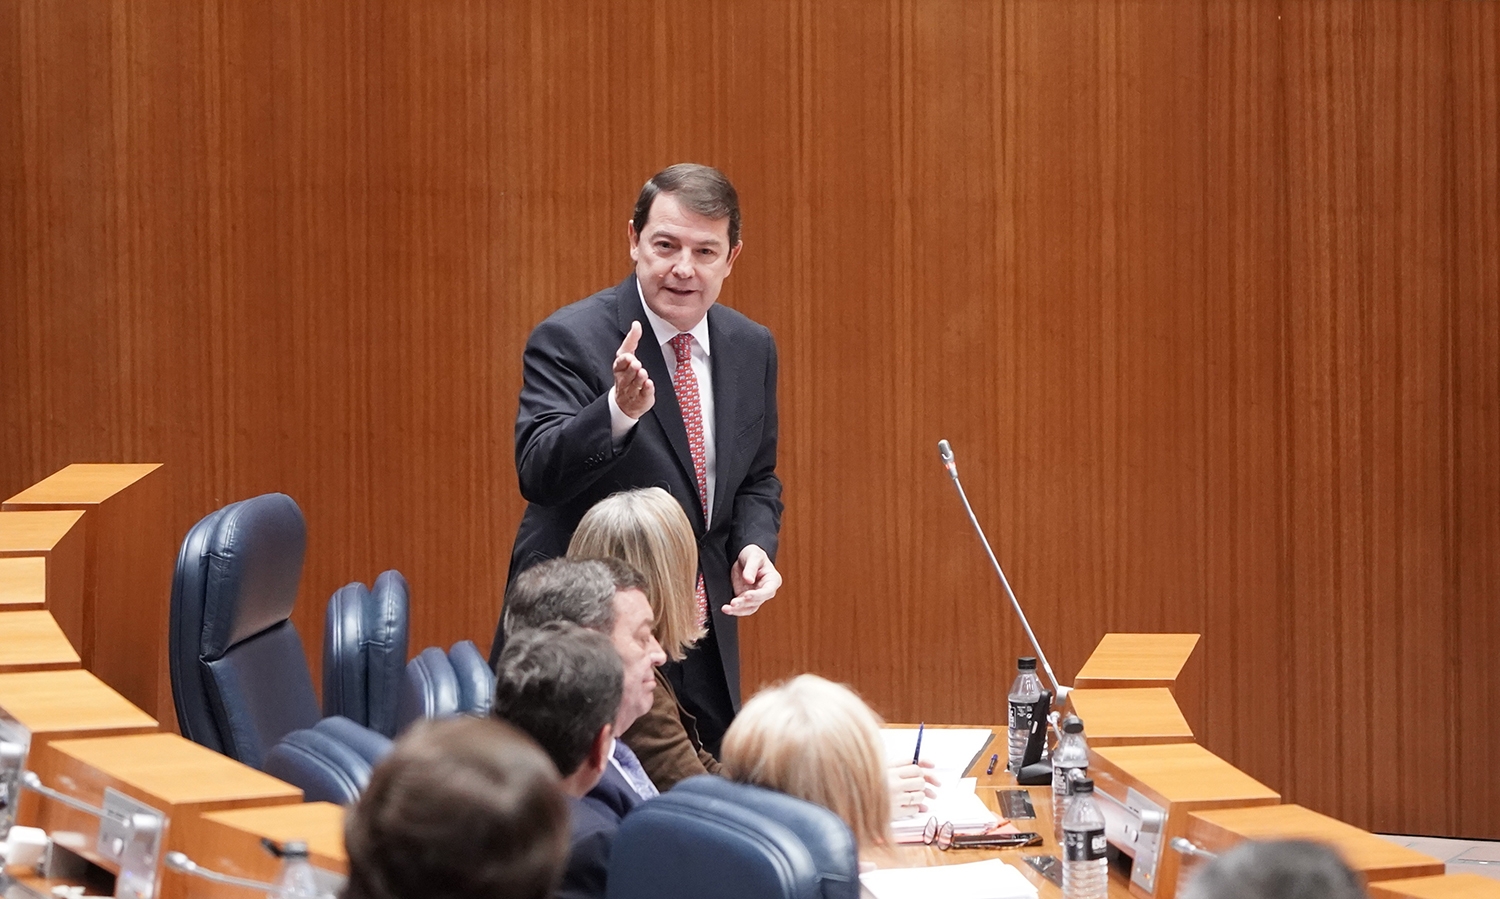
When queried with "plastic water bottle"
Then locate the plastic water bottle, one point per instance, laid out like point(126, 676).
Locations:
point(1072, 754)
point(1085, 868)
point(296, 880)
point(1024, 695)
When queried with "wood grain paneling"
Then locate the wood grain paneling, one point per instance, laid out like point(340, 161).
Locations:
point(1206, 295)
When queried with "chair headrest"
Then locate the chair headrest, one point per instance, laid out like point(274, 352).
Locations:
point(710, 836)
point(254, 566)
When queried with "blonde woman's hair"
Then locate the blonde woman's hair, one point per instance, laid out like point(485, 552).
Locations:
point(647, 529)
point(816, 740)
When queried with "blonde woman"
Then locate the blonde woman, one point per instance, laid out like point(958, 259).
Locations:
point(647, 529)
point(816, 740)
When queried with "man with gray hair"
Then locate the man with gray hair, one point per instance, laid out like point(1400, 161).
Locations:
point(560, 683)
point(607, 596)
point(1276, 869)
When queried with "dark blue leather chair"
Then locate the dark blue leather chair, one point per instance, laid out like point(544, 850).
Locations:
point(709, 836)
point(240, 682)
point(440, 685)
point(365, 642)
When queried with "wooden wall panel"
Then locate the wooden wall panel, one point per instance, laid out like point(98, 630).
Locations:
point(1205, 294)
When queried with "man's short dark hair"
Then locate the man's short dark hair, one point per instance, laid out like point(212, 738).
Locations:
point(1276, 869)
point(560, 684)
point(699, 188)
point(462, 808)
point(562, 590)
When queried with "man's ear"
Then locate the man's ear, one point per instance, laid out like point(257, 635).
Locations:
point(733, 255)
point(599, 752)
point(635, 239)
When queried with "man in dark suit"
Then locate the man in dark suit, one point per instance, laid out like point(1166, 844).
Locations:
point(650, 383)
point(561, 685)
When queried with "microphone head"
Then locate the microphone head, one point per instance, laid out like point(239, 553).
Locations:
point(945, 451)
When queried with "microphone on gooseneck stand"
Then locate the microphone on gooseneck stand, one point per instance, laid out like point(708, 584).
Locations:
point(1032, 768)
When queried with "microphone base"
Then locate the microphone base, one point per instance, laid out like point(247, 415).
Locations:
point(1037, 774)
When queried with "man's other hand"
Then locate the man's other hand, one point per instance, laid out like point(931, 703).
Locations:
point(754, 579)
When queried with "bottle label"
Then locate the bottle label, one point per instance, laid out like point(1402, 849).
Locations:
point(1020, 716)
point(1062, 778)
point(1084, 845)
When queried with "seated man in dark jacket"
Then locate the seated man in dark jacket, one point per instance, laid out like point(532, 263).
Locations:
point(561, 684)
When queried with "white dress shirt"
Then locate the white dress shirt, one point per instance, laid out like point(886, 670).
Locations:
point(620, 423)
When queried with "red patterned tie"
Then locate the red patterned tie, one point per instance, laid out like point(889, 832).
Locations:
point(685, 383)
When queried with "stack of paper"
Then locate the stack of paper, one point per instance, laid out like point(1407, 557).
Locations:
point(992, 879)
point(951, 751)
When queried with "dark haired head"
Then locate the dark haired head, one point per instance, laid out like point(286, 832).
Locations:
point(462, 808)
point(699, 188)
point(561, 684)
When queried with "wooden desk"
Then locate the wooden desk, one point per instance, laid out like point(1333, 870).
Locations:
point(920, 856)
point(229, 842)
point(1377, 859)
point(23, 583)
point(1130, 715)
point(1451, 886)
point(126, 569)
point(32, 641)
point(57, 705)
point(56, 539)
point(172, 775)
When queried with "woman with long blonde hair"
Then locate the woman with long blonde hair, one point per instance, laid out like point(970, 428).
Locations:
point(647, 529)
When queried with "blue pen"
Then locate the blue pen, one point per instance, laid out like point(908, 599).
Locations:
point(916, 757)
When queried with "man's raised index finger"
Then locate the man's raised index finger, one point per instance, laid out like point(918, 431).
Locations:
point(628, 345)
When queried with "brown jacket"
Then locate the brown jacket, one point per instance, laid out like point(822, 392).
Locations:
point(665, 739)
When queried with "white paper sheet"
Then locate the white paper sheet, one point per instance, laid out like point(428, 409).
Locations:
point(992, 879)
point(946, 748)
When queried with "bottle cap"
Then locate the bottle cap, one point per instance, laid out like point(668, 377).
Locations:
point(1072, 725)
point(1083, 786)
point(294, 849)
point(1026, 663)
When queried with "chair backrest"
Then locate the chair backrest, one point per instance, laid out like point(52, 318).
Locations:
point(365, 641)
point(440, 685)
point(239, 677)
point(327, 769)
point(709, 836)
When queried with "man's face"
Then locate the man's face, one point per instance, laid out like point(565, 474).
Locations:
point(681, 260)
point(639, 651)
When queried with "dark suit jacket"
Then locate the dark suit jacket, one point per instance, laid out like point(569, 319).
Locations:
point(566, 461)
point(594, 819)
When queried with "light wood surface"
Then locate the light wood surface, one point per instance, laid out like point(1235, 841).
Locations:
point(80, 484)
point(1137, 660)
point(1375, 858)
point(1130, 715)
point(57, 538)
point(165, 771)
point(32, 641)
point(1180, 778)
point(229, 842)
point(1451, 886)
point(65, 704)
point(129, 551)
point(23, 582)
point(1203, 294)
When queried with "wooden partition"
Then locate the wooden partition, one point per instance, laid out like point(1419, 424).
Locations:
point(1205, 294)
point(128, 551)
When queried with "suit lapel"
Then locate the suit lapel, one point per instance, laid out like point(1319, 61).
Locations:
point(728, 396)
point(666, 409)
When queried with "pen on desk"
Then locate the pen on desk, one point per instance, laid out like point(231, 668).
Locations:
point(994, 760)
point(916, 757)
